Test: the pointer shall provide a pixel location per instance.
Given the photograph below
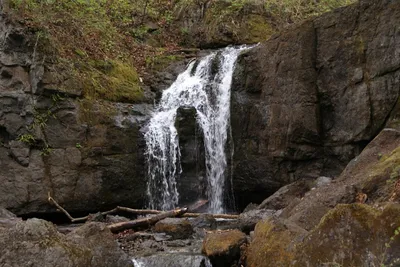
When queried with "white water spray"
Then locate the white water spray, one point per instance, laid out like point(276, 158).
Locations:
point(204, 85)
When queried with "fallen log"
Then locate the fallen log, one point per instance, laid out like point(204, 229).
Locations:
point(148, 221)
point(143, 211)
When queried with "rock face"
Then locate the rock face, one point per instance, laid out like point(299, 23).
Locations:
point(192, 180)
point(37, 243)
point(87, 154)
point(308, 100)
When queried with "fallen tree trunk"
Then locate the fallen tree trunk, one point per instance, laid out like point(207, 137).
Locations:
point(148, 221)
point(143, 211)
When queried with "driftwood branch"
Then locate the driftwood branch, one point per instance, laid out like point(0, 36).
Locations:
point(147, 221)
point(185, 214)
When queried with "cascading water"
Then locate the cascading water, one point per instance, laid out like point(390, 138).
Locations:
point(204, 85)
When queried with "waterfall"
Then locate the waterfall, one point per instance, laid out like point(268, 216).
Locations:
point(204, 85)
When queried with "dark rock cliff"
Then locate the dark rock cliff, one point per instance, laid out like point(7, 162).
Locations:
point(87, 154)
point(308, 100)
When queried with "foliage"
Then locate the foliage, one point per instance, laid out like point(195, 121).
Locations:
point(27, 138)
point(82, 35)
point(291, 11)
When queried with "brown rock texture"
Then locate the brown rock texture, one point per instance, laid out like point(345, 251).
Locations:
point(223, 247)
point(88, 154)
point(308, 100)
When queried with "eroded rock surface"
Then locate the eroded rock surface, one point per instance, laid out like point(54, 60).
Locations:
point(223, 247)
point(308, 100)
point(37, 243)
point(87, 154)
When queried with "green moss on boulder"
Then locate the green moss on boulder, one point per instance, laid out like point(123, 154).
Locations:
point(223, 247)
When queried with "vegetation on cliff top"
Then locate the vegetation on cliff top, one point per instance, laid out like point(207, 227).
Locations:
point(132, 37)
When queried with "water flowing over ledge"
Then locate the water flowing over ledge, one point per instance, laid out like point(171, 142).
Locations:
point(205, 85)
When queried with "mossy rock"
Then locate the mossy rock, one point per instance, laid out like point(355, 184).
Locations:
point(176, 227)
point(353, 235)
point(273, 243)
point(223, 247)
point(382, 176)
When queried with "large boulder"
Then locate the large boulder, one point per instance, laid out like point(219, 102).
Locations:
point(354, 235)
point(223, 247)
point(273, 243)
point(308, 100)
point(37, 243)
point(349, 235)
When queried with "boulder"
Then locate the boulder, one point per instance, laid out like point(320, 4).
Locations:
point(7, 219)
point(223, 247)
point(37, 243)
point(177, 228)
point(273, 243)
point(354, 235)
point(286, 194)
point(248, 220)
point(349, 235)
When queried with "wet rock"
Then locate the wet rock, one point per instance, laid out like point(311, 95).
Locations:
point(223, 247)
point(177, 228)
point(191, 182)
point(37, 243)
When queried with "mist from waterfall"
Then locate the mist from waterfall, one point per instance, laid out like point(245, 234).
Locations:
point(204, 85)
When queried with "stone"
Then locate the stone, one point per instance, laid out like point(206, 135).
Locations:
point(36, 242)
point(354, 235)
point(177, 228)
point(273, 243)
point(248, 220)
point(172, 259)
point(285, 195)
point(204, 221)
point(7, 219)
point(223, 247)
point(322, 180)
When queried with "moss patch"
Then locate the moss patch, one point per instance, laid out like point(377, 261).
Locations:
point(383, 175)
point(352, 235)
point(272, 244)
point(222, 242)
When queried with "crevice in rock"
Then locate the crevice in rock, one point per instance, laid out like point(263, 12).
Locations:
point(4, 135)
